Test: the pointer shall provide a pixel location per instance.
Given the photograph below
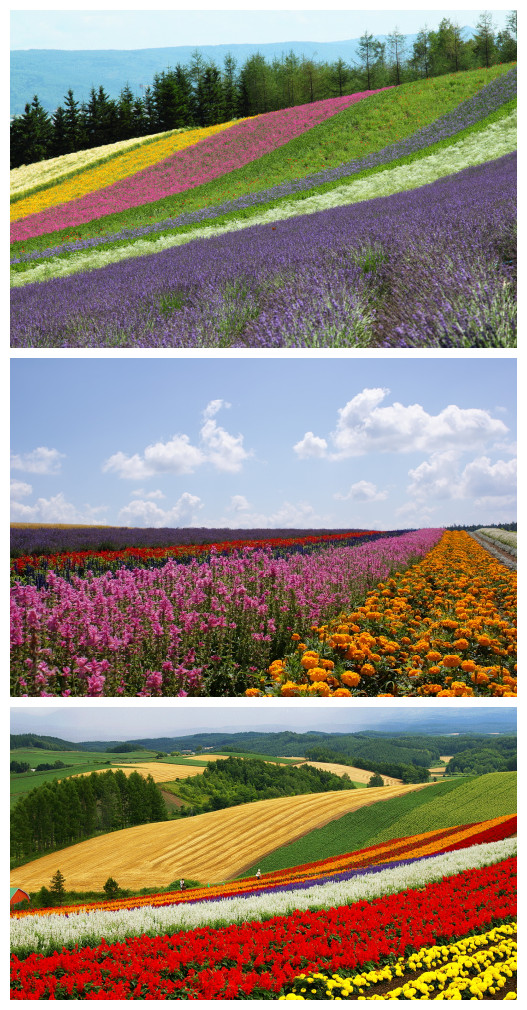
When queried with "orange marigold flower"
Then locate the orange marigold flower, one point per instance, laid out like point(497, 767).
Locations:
point(461, 643)
point(367, 669)
point(350, 678)
point(317, 673)
point(468, 666)
point(309, 661)
point(253, 692)
point(342, 692)
point(295, 637)
point(451, 661)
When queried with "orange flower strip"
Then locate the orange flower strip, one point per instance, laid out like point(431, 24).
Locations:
point(446, 627)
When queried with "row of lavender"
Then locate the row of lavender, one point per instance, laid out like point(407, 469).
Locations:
point(198, 629)
point(55, 539)
point(433, 266)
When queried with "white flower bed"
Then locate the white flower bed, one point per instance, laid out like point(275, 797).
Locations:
point(47, 932)
point(506, 537)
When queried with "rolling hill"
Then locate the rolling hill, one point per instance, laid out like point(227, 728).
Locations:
point(208, 847)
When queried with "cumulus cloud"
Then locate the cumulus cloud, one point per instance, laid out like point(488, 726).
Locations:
point(179, 456)
point(41, 460)
point(363, 426)
point(362, 491)
point(239, 503)
point(286, 516)
point(147, 513)
point(20, 490)
point(442, 477)
point(311, 447)
point(56, 510)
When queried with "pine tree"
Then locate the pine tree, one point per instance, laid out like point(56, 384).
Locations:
point(483, 44)
point(57, 888)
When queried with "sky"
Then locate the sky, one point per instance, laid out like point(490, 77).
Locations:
point(340, 442)
point(140, 29)
point(96, 722)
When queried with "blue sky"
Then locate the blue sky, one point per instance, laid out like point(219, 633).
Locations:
point(139, 29)
point(278, 442)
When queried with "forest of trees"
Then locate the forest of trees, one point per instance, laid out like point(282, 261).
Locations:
point(69, 810)
point(229, 782)
point(483, 761)
point(202, 94)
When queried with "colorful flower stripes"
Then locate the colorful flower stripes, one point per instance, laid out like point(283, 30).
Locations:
point(258, 958)
point(218, 155)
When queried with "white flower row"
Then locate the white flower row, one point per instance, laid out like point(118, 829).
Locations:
point(508, 537)
point(46, 932)
point(494, 141)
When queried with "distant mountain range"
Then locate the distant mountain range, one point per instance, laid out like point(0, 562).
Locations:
point(397, 720)
point(49, 73)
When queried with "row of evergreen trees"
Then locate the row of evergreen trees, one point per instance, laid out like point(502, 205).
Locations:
point(202, 94)
point(66, 811)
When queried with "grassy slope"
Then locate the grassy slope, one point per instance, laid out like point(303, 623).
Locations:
point(80, 761)
point(456, 801)
point(362, 129)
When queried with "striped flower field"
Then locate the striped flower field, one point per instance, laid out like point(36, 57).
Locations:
point(265, 945)
point(239, 235)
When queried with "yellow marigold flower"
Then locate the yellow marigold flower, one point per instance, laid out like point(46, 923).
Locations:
point(309, 662)
point(289, 689)
point(342, 692)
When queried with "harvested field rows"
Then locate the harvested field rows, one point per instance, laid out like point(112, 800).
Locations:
point(208, 847)
point(355, 774)
point(159, 772)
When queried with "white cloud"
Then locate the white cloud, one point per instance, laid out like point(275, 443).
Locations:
point(286, 516)
point(311, 447)
point(19, 489)
point(178, 456)
point(41, 460)
point(224, 451)
point(141, 493)
point(365, 426)
point(239, 503)
point(441, 477)
point(213, 407)
point(362, 491)
point(56, 510)
point(147, 513)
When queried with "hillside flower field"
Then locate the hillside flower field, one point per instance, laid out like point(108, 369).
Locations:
point(263, 946)
point(382, 218)
point(426, 613)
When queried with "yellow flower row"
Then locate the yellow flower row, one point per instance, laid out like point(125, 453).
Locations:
point(126, 164)
point(27, 177)
point(463, 966)
point(444, 628)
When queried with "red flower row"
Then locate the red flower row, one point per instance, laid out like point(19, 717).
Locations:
point(257, 958)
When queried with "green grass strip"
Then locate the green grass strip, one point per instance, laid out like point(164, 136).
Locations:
point(362, 129)
point(495, 137)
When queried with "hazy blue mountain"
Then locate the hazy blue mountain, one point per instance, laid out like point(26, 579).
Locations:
point(50, 72)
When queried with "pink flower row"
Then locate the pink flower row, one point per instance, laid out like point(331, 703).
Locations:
point(210, 158)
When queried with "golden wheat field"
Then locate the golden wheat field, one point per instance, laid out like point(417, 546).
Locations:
point(160, 772)
point(355, 774)
point(209, 847)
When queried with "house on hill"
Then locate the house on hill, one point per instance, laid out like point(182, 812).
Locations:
point(17, 895)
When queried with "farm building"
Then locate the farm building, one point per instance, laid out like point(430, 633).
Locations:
point(17, 895)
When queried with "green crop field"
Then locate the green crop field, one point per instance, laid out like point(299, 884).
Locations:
point(476, 799)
